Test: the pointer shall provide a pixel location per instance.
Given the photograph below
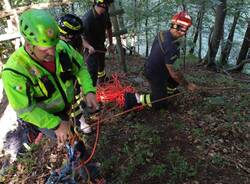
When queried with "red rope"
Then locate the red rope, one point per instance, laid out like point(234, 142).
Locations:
point(113, 91)
point(84, 162)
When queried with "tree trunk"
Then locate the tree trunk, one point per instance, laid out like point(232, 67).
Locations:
point(146, 31)
point(198, 27)
point(158, 19)
point(118, 39)
point(121, 19)
point(135, 31)
point(146, 35)
point(245, 45)
point(217, 34)
point(227, 48)
point(200, 41)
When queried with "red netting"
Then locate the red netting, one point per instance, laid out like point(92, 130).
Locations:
point(113, 91)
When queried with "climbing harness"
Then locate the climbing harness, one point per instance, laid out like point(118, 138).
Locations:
point(78, 167)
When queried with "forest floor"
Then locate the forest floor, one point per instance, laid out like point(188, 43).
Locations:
point(202, 138)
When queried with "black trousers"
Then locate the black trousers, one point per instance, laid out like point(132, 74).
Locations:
point(159, 90)
point(95, 63)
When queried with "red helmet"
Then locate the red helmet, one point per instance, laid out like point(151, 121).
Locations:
point(182, 19)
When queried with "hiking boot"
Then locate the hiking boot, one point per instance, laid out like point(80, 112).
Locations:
point(30, 136)
point(18, 141)
point(31, 133)
point(130, 101)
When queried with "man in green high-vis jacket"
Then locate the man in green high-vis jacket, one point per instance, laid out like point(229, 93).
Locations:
point(38, 77)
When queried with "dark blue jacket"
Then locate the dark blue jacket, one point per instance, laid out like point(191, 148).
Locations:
point(95, 27)
point(155, 66)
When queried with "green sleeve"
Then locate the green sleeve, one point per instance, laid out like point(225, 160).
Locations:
point(84, 80)
point(82, 74)
point(19, 93)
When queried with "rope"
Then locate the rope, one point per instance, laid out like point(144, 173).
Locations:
point(84, 162)
point(136, 108)
point(70, 147)
point(113, 91)
point(88, 174)
point(217, 88)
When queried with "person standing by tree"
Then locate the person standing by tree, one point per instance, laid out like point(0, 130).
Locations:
point(96, 23)
point(159, 69)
